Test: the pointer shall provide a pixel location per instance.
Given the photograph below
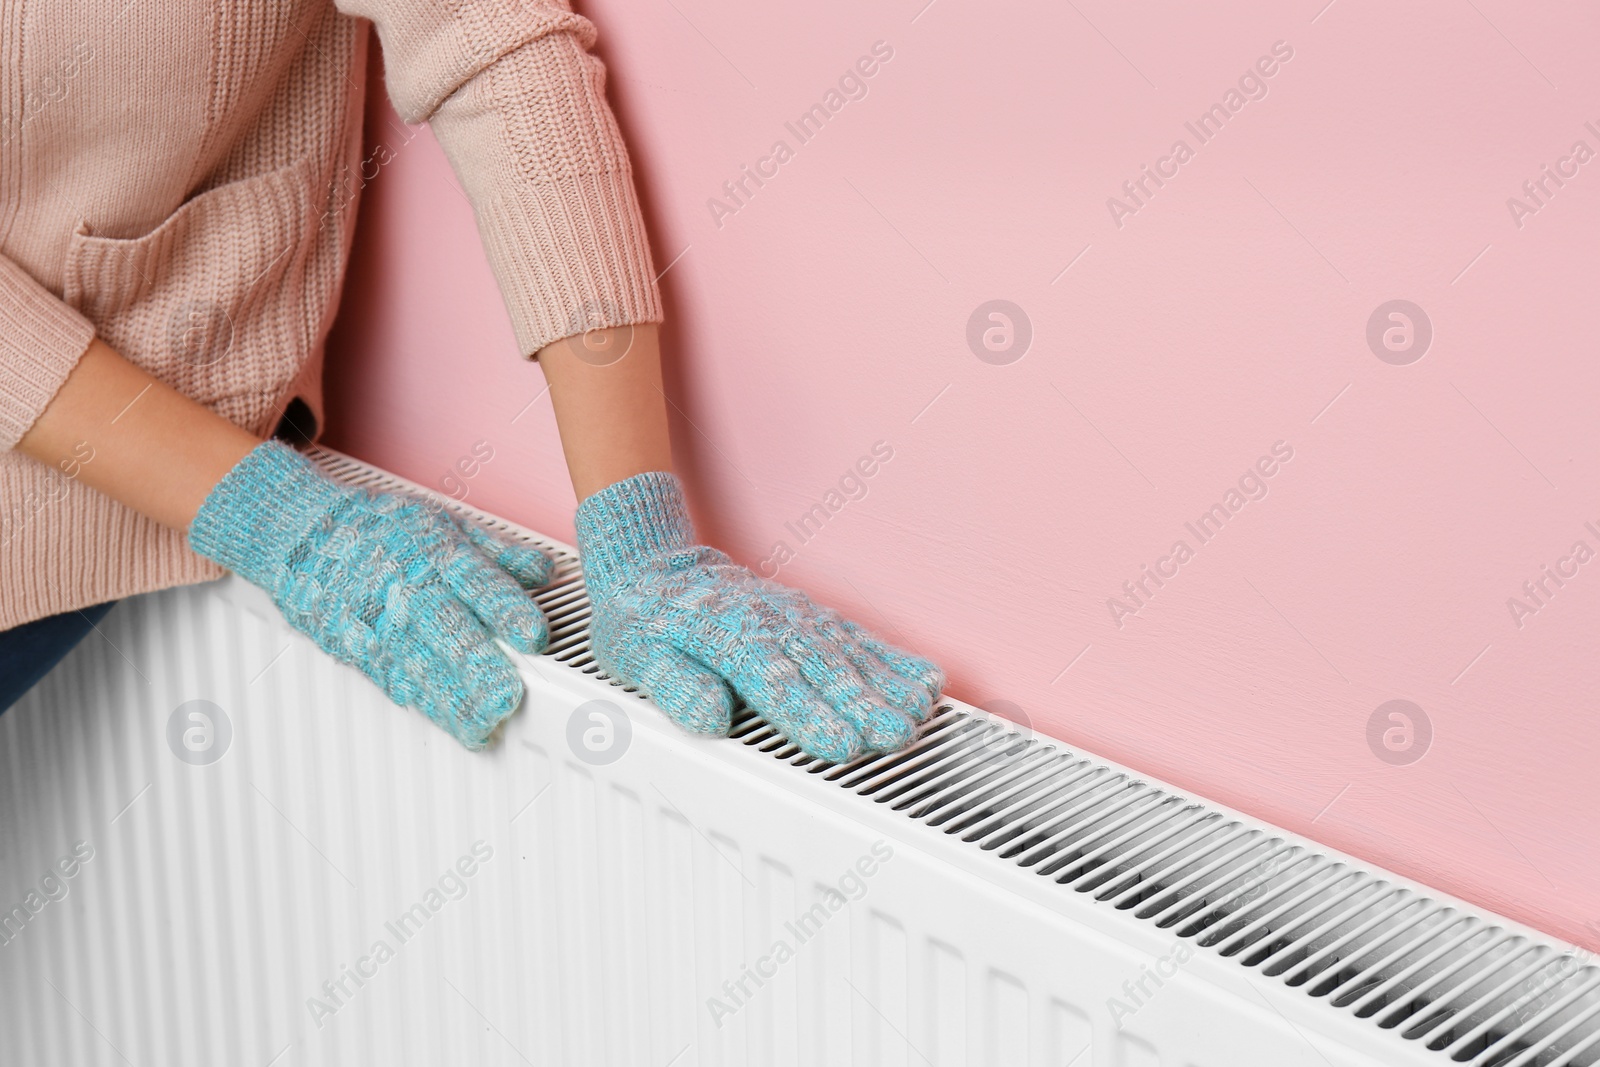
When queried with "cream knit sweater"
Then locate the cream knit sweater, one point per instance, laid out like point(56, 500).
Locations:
point(178, 178)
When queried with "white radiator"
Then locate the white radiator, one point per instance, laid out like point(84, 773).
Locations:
point(217, 846)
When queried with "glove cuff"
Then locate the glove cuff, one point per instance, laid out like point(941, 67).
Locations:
point(260, 510)
point(626, 525)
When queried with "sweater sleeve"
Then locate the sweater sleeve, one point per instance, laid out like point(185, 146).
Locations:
point(41, 339)
point(518, 104)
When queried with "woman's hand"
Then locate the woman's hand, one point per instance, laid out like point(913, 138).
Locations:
point(390, 584)
point(384, 582)
point(685, 623)
point(682, 621)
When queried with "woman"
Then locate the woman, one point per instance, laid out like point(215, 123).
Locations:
point(176, 185)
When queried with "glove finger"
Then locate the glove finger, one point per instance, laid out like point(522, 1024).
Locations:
point(408, 663)
point(922, 673)
point(825, 665)
point(528, 564)
point(771, 683)
point(692, 696)
point(503, 605)
point(473, 687)
point(908, 695)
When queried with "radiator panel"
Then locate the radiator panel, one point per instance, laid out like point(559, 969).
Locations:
point(318, 877)
point(232, 911)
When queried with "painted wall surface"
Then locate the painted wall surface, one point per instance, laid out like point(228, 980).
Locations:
point(1404, 499)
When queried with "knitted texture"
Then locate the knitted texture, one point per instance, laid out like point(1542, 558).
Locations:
point(684, 623)
point(388, 583)
point(185, 188)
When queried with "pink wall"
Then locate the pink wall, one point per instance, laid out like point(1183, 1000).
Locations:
point(1169, 354)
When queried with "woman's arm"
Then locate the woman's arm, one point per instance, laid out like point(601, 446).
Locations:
point(160, 453)
point(605, 386)
point(153, 448)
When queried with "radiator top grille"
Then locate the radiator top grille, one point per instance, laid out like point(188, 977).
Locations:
point(1419, 970)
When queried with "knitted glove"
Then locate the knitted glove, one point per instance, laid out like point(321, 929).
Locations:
point(683, 622)
point(387, 583)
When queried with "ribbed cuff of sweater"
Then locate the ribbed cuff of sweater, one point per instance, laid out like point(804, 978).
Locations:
point(630, 523)
point(41, 339)
point(571, 256)
point(261, 509)
point(543, 162)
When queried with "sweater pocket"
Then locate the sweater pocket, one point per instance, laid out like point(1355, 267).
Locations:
point(213, 301)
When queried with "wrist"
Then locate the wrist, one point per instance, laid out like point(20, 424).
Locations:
point(267, 503)
point(605, 387)
point(630, 523)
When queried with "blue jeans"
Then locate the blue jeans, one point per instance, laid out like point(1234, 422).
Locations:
point(28, 652)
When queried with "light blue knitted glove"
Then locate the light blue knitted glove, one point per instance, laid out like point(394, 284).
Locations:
point(388, 583)
point(683, 622)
